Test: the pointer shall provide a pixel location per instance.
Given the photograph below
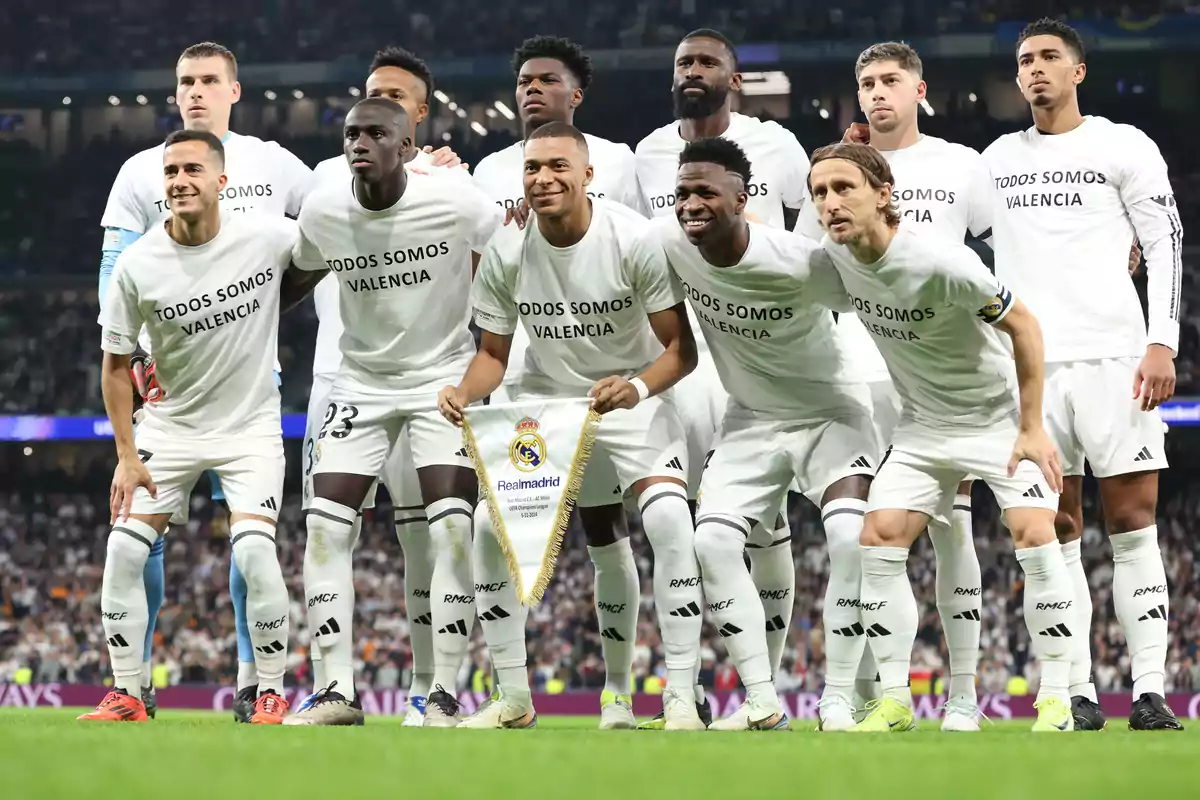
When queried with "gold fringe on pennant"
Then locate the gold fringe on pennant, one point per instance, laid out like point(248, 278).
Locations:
point(583, 452)
point(498, 529)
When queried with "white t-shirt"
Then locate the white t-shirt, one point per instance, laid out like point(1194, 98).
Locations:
point(767, 321)
point(212, 315)
point(501, 176)
point(327, 358)
point(404, 277)
point(929, 303)
point(262, 177)
point(585, 306)
point(941, 188)
point(1062, 230)
point(778, 167)
point(778, 172)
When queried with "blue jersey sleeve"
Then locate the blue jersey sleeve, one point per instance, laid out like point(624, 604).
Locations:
point(115, 242)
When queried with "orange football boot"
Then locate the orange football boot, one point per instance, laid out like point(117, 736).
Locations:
point(117, 707)
point(269, 709)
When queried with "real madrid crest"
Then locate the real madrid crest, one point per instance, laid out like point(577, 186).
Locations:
point(528, 448)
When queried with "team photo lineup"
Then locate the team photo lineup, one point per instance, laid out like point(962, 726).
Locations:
point(745, 318)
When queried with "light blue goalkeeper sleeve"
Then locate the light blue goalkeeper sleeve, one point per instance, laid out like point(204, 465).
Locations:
point(115, 242)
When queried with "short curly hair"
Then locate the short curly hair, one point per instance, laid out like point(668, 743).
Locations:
point(1053, 27)
point(720, 151)
point(573, 57)
point(406, 60)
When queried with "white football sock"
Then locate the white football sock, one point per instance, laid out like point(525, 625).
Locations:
point(866, 685)
point(247, 674)
point(678, 598)
point(1049, 615)
point(266, 599)
point(845, 637)
point(329, 590)
point(774, 574)
point(959, 591)
point(733, 602)
point(452, 595)
point(889, 617)
point(1141, 601)
point(148, 666)
point(617, 597)
point(412, 529)
point(1081, 684)
point(123, 601)
point(501, 614)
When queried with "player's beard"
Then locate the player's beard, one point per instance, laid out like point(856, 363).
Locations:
point(700, 107)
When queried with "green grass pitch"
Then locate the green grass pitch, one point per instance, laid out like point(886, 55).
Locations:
point(47, 754)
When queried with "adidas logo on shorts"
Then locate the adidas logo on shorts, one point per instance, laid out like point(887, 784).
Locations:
point(674, 463)
point(861, 463)
point(1143, 455)
point(1033, 491)
point(269, 503)
point(462, 453)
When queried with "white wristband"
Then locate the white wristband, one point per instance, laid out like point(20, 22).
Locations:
point(642, 390)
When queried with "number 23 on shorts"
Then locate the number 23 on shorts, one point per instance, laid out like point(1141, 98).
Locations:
point(342, 420)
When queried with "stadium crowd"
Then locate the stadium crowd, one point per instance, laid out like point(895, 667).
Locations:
point(60, 37)
point(52, 549)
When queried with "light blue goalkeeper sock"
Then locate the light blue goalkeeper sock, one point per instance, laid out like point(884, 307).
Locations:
point(152, 577)
point(237, 593)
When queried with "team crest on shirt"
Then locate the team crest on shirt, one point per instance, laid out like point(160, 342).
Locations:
point(527, 452)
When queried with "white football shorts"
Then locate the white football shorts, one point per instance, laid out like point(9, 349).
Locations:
point(757, 458)
point(250, 469)
point(1091, 415)
point(366, 423)
point(924, 466)
point(399, 474)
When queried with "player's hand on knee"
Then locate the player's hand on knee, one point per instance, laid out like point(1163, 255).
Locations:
point(1036, 446)
point(451, 403)
point(611, 393)
point(857, 133)
point(1154, 380)
point(129, 475)
point(518, 214)
point(444, 157)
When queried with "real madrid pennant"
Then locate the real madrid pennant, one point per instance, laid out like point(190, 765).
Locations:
point(530, 457)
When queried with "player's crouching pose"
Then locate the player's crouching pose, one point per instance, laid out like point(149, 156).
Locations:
point(207, 287)
point(764, 308)
point(934, 309)
point(591, 267)
point(400, 246)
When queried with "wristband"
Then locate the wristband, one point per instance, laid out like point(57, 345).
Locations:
point(642, 390)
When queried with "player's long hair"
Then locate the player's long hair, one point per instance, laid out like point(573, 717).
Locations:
point(873, 166)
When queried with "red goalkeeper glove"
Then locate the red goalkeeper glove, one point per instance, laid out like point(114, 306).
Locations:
point(145, 381)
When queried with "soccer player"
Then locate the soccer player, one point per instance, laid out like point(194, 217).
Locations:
point(934, 310)
point(399, 76)
point(941, 188)
point(262, 177)
point(399, 245)
point(1076, 190)
point(764, 308)
point(592, 287)
point(205, 286)
point(705, 80)
point(552, 76)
